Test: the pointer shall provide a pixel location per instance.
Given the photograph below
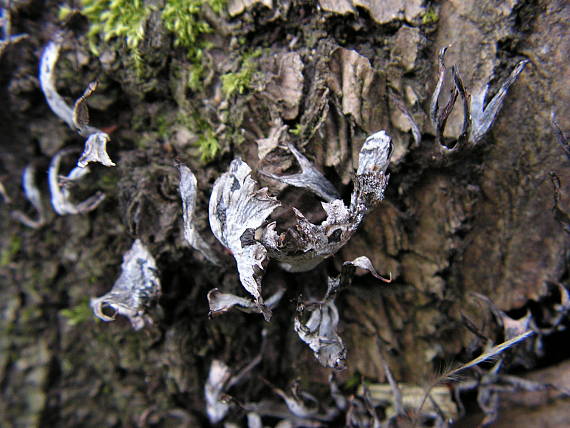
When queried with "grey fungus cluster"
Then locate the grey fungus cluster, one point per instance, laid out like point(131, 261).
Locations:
point(478, 116)
point(238, 215)
point(76, 117)
point(136, 290)
point(240, 219)
point(319, 331)
point(305, 245)
point(95, 149)
point(239, 210)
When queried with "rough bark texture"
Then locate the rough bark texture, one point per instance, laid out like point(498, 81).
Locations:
point(482, 219)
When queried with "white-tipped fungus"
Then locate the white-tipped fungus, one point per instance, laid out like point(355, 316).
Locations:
point(309, 178)
point(33, 195)
point(135, 291)
point(188, 193)
point(215, 387)
point(220, 303)
point(77, 118)
point(237, 209)
point(305, 245)
point(59, 189)
point(319, 331)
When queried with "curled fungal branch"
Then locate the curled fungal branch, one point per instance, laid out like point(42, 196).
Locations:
point(299, 403)
point(477, 117)
point(47, 82)
point(135, 291)
point(77, 118)
point(484, 116)
point(401, 105)
point(59, 188)
point(33, 195)
point(560, 137)
point(237, 209)
point(305, 245)
point(319, 331)
point(221, 379)
point(6, 38)
point(309, 178)
point(214, 389)
point(220, 303)
point(188, 193)
point(434, 104)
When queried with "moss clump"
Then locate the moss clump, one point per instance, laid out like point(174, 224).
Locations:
point(124, 19)
point(12, 248)
point(240, 81)
point(163, 127)
point(183, 19)
point(430, 16)
point(208, 145)
point(64, 12)
point(78, 314)
point(207, 142)
point(297, 130)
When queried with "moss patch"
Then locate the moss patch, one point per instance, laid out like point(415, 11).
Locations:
point(12, 248)
point(240, 81)
point(430, 16)
point(124, 19)
point(78, 314)
point(207, 142)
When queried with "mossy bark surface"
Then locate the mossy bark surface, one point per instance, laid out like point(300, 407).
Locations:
point(485, 219)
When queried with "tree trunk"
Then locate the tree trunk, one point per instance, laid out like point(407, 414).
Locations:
point(473, 236)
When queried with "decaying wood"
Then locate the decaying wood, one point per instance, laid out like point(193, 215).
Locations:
point(472, 228)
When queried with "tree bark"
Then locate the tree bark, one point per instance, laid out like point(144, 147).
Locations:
point(488, 218)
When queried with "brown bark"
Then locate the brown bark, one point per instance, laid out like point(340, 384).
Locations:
point(482, 219)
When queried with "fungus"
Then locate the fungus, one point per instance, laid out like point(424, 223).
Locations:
point(319, 331)
point(188, 194)
point(77, 118)
point(135, 291)
point(305, 245)
point(220, 303)
point(34, 197)
point(477, 117)
point(237, 211)
point(60, 188)
point(309, 178)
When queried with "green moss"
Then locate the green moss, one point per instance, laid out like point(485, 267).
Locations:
point(77, 314)
point(64, 12)
point(183, 19)
point(297, 130)
point(207, 143)
point(208, 146)
point(240, 81)
point(430, 16)
point(124, 19)
point(217, 6)
point(14, 245)
point(163, 126)
point(195, 76)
